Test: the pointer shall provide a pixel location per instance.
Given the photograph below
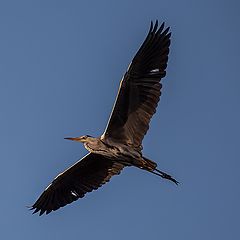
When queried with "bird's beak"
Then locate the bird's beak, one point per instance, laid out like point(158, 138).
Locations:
point(78, 139)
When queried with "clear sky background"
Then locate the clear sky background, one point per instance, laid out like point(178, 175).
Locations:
point(60, 66)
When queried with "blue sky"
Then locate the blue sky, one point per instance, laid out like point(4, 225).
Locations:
point(60, 66)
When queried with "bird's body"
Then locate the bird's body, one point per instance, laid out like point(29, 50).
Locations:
point(121, 143)
point(119, 152)
point(124, 154)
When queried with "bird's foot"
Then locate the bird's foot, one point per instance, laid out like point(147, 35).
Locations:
point(166, 176)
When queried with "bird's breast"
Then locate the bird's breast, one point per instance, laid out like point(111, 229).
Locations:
point(114, 151)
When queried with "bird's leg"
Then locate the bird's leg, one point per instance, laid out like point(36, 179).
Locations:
point(165, 175)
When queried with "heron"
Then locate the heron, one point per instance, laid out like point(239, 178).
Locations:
point(121, 143)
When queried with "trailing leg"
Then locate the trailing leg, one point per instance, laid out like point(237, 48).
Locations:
point(164, 175)
point(151, 166)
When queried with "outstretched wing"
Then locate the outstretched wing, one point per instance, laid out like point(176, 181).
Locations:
point(88, 174)
point(139, 90)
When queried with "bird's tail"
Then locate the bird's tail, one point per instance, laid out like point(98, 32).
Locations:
point(149, 164)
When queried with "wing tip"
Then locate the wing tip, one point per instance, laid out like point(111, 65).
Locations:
point(156, 29)
point(40, 210)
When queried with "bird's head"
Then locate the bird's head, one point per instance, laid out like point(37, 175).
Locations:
point(81, 139)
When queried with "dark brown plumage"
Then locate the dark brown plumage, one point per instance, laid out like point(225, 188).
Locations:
point(139, 91)
point(121, 143)
point(88, 174)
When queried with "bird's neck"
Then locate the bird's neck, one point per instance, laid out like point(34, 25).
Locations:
point(94, 145)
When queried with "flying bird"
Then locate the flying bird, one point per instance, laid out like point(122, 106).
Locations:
point(121, 143)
